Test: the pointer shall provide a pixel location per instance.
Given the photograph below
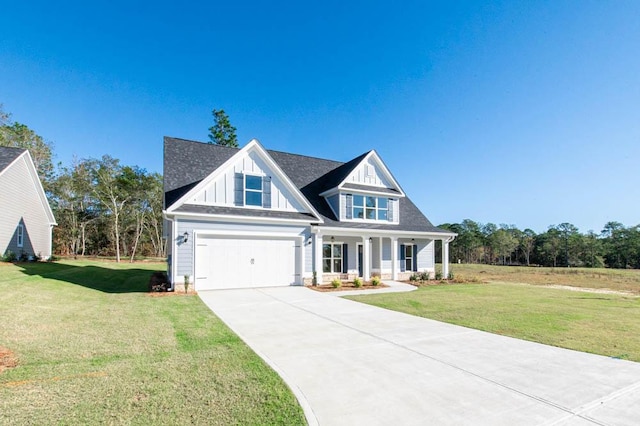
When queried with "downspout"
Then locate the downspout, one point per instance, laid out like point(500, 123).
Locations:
point(173, 250)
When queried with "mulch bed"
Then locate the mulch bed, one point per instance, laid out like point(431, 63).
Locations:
point(345, 287)
point(7, 359)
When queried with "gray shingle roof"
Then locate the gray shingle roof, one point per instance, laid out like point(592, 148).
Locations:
point(235, 211)
point(8, 155)
point(186, 163)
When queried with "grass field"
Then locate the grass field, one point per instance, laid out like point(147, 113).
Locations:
point(92, 347)
point(602, 323)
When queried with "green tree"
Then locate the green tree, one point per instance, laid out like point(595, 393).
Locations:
point(222, 132)
point(527, 243)
point(18, 135)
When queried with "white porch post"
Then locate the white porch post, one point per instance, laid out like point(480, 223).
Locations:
point(380, 255)
point(317, 261)
point(300, 265)
point(394, 258)
point(366, 258)
point(445, 258)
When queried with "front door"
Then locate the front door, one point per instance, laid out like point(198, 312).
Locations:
point(360, 273)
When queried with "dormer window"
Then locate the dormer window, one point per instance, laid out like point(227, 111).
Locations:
point(368, 207)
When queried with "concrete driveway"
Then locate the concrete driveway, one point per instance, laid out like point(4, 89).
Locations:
point(354, 364)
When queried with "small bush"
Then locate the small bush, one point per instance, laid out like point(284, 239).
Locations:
point(438, 275)
point(451, 276)
point(9, 256)
point(414, 277)
point(24, 256)
point(357, 282)
point(159, 282)
point(425, 276)
point(375, 280)
point(336, 283)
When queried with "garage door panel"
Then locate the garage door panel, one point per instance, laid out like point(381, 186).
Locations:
point(244, 262)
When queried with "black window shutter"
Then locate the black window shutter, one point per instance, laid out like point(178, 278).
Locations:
point(390, 204)
point(415, 257)
point(349, 207)
point(345, 258)
point(266, 192)
point(239, 189)
point(403, 264)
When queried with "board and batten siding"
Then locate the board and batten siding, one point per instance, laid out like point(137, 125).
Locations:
point(368, 173)
point(21, 204)
point(222, 190)
point(184, 252)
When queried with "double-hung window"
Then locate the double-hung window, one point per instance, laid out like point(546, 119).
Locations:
point(332, 257)
point(252, 190)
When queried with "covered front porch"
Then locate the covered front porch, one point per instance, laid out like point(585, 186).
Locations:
point(349, 253)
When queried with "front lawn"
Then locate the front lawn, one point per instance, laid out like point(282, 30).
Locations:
point(91, 346)
point(606, 324)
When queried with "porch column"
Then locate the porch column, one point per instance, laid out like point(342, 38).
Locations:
point(317, 261)
point(300, 265)
point(380, 257)
point(394, 258)
point(445, 258)
point(366, 258)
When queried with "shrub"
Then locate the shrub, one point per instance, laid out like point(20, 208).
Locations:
point(24, 256)
point(438, 275)
point(414, 277)
point(375, 280)
point(9, 256)
point(158, 282)
point(451, 276)
point(336, 283)
point(357, 282)
point(425, 276)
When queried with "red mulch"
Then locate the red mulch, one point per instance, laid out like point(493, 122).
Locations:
point(7, 359)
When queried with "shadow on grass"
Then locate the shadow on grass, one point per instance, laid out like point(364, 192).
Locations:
point(102, 278)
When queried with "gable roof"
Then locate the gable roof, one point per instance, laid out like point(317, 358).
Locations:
point(9, 156)
point(311, 175)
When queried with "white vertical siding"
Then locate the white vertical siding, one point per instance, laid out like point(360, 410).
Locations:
point(221, 191)
point(21, 204)
point(374, 176)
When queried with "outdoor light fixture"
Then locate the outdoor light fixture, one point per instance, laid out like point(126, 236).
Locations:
point(333, 238)
point(185, 237)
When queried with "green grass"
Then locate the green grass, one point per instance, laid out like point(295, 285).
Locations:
point(605, 324)
point(94, 348)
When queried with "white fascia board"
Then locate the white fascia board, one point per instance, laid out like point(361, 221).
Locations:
point(37, 184)
point(234, 218)
point(383, 167)
point(255, 144)
point(323, 230)
point(330, 192)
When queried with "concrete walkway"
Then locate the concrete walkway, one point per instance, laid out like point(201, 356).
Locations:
point(354, 364)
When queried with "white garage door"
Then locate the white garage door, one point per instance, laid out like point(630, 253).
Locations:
point(231, 262)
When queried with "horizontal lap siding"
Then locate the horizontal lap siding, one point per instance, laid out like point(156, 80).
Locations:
point(20, 201)
point(425, 255)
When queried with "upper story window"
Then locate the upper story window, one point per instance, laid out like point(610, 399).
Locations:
point(252, 190)
point(369, 207)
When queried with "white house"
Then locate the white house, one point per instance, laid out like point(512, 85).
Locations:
point(26, 220)
point(252, 217)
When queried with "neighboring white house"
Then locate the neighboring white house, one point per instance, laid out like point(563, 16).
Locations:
point(26, 220)
point(253, 218)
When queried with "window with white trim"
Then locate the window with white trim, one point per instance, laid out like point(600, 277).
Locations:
point(370, 208)
point(332, 257)
point(20, 236)
point(252, 190)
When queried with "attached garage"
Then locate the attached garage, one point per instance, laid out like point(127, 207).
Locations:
point(223, 262)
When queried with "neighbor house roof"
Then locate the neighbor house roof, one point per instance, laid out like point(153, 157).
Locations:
point(8, 155)
point(186, 163)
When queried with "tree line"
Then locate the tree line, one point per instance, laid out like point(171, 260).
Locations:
point(563, 245)
point(103, 208)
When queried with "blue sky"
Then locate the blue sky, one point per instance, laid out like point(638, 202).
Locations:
point(515, 112)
